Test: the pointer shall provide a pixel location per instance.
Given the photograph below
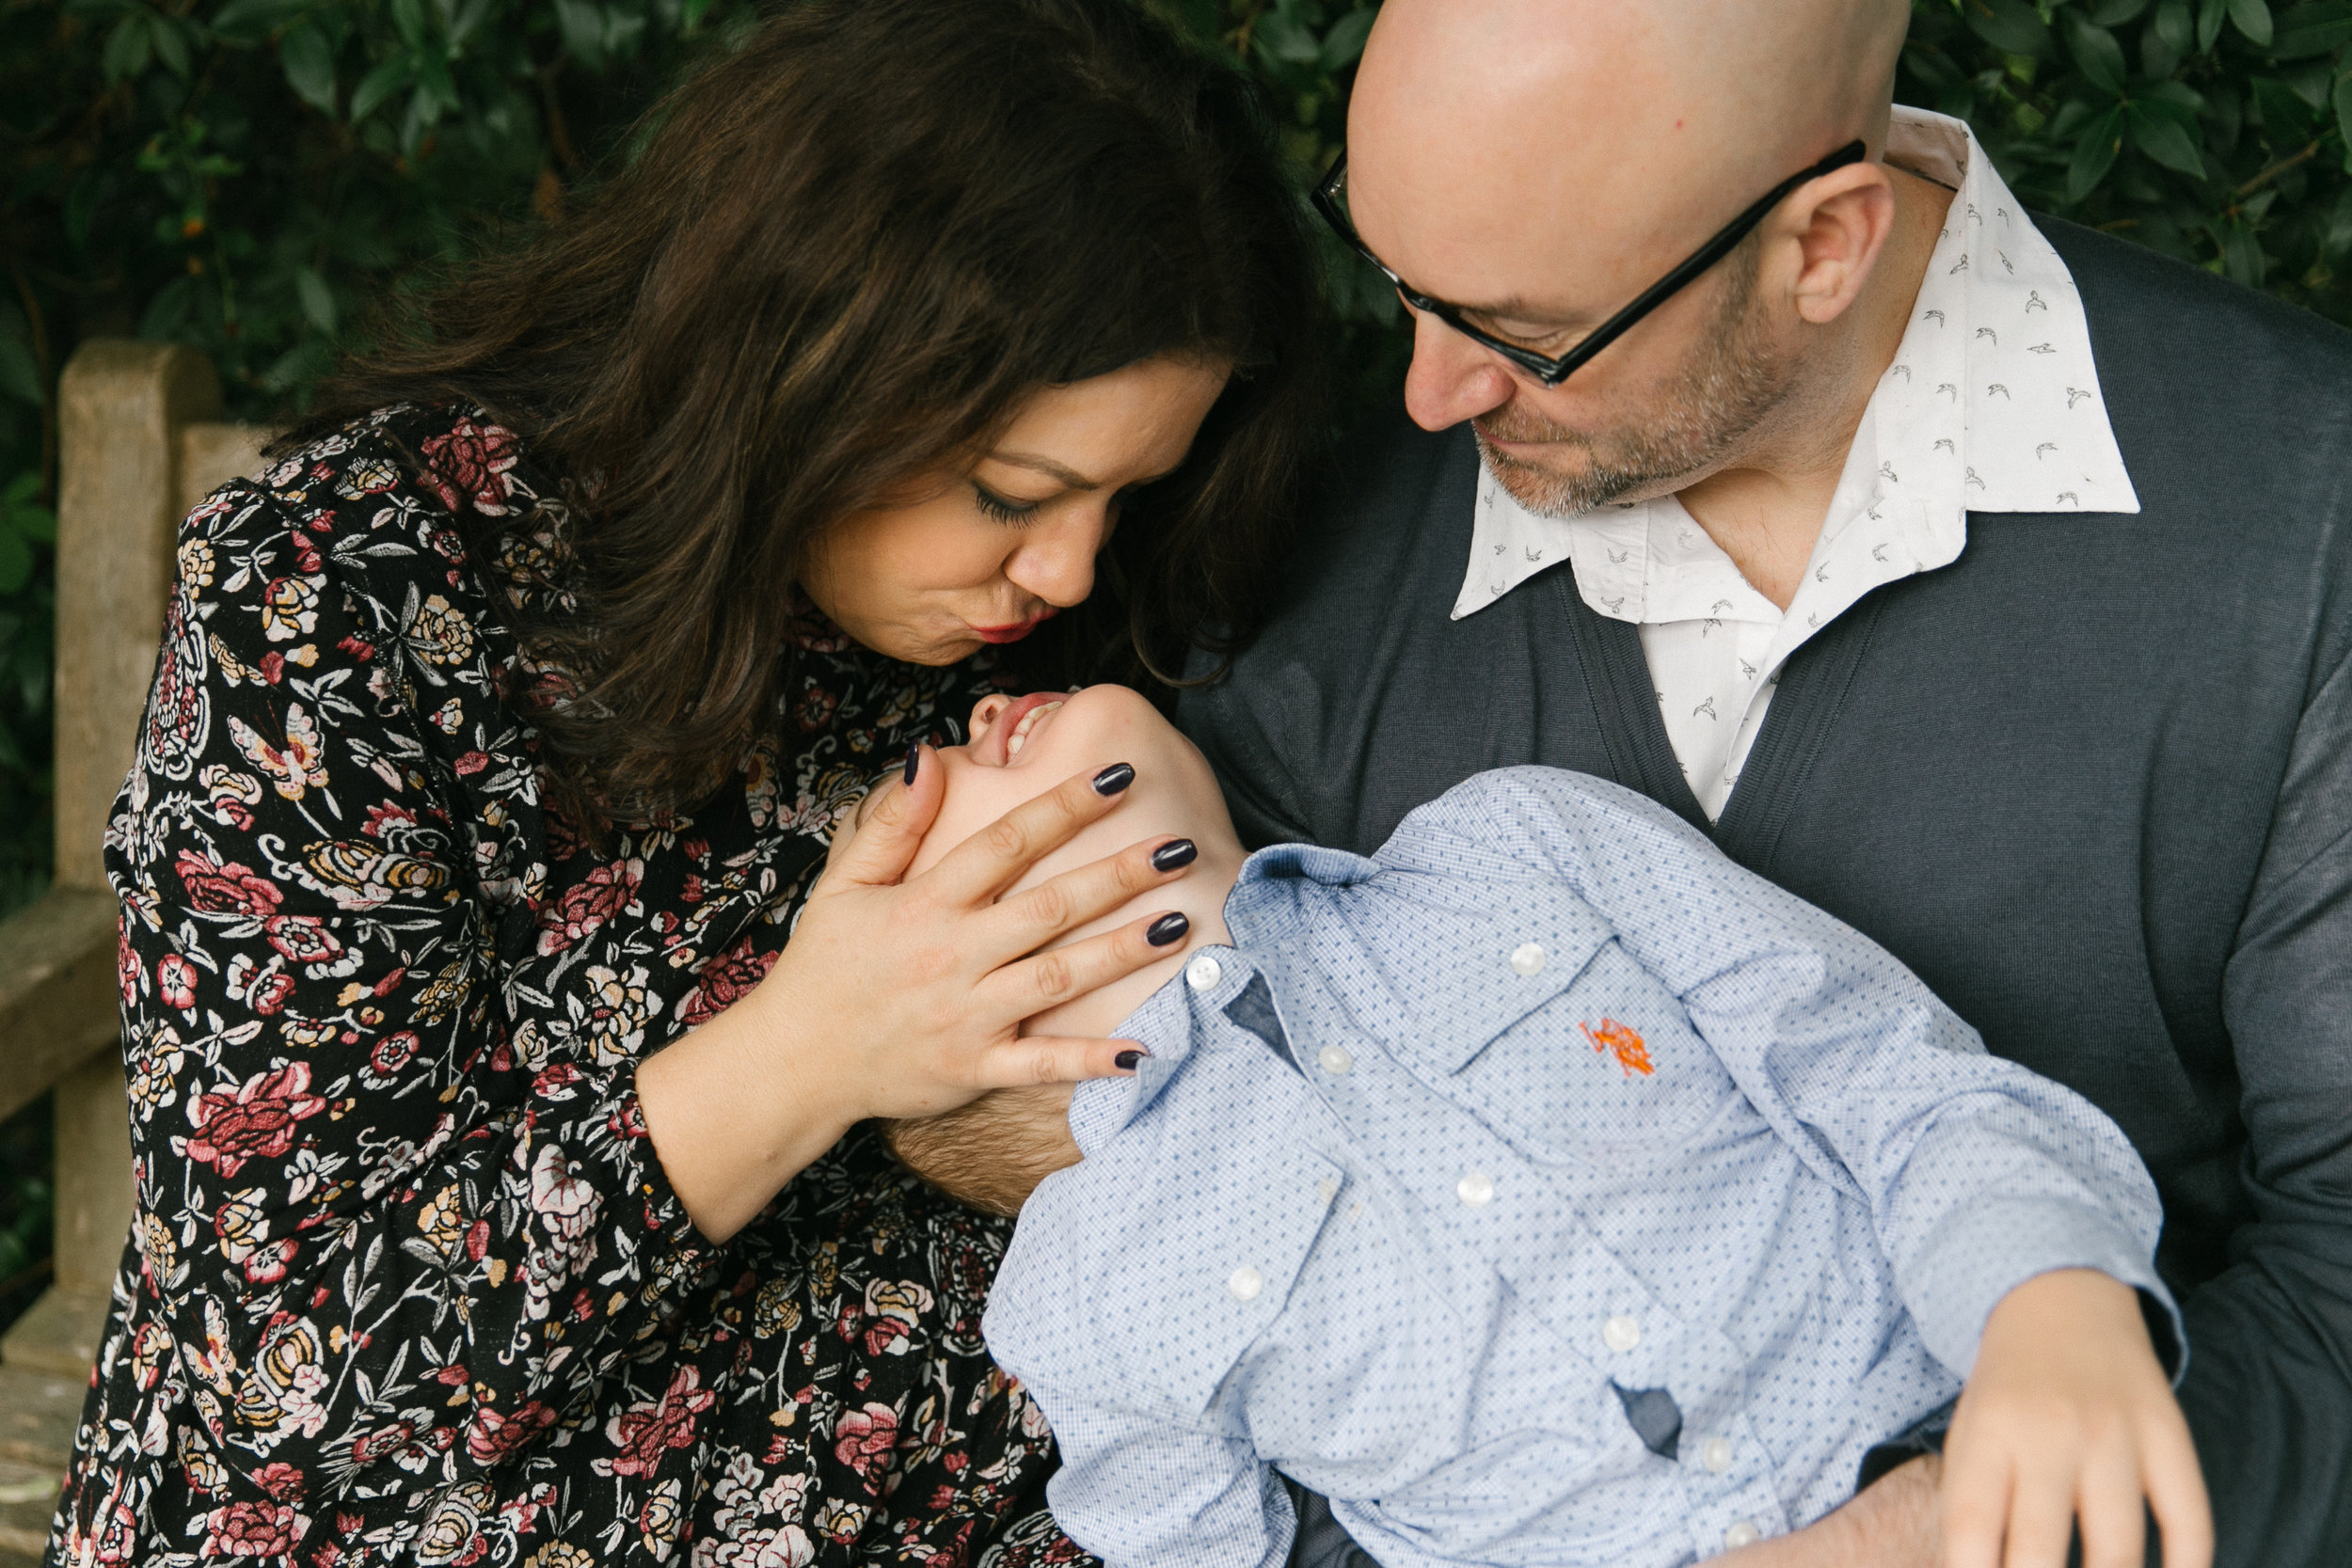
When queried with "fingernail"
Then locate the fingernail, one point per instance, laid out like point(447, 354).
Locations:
point(1176, 852)
point(1167, 929)
point(915, 757)
point(1111, 780)
point(1125, 1061)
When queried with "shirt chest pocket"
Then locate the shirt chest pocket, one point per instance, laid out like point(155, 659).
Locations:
point(1608, 1069)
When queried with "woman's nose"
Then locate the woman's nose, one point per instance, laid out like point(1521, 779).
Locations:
point(1056, 557)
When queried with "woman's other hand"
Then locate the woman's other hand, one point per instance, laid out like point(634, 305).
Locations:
point(2068, 1417)
point(902, 998)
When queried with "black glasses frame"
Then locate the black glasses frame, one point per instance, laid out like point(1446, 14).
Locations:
point(1548, 369)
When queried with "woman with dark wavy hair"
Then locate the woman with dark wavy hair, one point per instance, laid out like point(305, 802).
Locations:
point(502, 1082)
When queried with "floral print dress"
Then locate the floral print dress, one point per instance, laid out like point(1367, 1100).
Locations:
point(406, 1282)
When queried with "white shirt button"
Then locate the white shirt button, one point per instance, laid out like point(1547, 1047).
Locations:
point(1742, 1533)
point(1245, 1282)
point(1528, 957)
point(1204, 972)
point(1621, 1333)
point(1335, 1060)
point(1715, 1453)
point(1476, 1190)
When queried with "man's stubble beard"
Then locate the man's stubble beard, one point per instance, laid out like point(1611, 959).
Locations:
point(1736, 378)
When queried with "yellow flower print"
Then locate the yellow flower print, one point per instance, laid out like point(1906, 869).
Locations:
point(439, 634)
point(196, 564)
point(440, 1223)
point(290, 607)
point(560, 1554)
point(776, 1312)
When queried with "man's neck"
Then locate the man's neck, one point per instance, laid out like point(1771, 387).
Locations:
point(1767, 513)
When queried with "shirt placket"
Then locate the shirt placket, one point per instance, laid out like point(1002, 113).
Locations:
point(1491, 1208)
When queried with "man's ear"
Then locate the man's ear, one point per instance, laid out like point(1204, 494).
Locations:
point(1846, 218)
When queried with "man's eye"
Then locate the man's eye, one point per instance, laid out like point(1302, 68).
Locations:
point(996, 506)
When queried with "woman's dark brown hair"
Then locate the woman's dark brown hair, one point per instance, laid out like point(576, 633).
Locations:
point(846, 255)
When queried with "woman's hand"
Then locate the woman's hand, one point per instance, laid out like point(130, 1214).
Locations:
point(2068, 1416)
point(902, 998)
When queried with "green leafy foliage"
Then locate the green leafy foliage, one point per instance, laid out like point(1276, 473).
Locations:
point(257, 177)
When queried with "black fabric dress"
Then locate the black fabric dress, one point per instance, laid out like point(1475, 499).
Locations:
point(406, 1282)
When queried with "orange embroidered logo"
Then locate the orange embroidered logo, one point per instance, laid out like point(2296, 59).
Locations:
point(1622, 1043)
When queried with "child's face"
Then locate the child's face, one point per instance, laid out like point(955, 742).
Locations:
point(1022, 747)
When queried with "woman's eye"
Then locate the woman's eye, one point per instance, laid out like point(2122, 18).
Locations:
point(996, 506)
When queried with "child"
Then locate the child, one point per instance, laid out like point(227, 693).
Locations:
point(1546, 1189)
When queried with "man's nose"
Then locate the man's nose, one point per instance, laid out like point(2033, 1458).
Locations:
point(1056, 558)
point(1451, 379)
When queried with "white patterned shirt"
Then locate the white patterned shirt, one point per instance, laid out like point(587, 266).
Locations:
point(1992, 404)
point(1547, 1190)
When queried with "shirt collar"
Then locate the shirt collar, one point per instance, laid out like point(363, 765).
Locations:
point(1992, 404)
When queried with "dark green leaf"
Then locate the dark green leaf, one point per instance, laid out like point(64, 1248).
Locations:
point(2343, 118)
point(1344, 43)
point(318, 301)
point(2176, 25)
point(2161, 136)
point(2097, 52)
point(16, 564)
point(582, 28)
point(2252, 17)
point(37, 523)
point(127, 47)
point(310, 66)
point(250, 21)
point(2211, 14)
point(171, 46)
point(379, 85)
point(2094, 154)
point(2114, 13)
point(19, 377)
point(1284, 41)
point(2010, 24)
point(2309, 30)
point(408, 21)
point(2286, 118)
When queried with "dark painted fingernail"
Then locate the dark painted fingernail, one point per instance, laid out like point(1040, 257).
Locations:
point(1167, 929)
point(1111, 780)
point(1125, 1061)
point(915, 757)
point(1176, 852)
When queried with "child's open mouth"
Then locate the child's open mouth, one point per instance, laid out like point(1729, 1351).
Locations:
point(1028, 726)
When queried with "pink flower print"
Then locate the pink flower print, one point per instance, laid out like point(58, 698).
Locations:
point(222, 887)
point(470, 465)
point(175, 981)
point(644, 1432)
point(862, 1440)
point(257, 1122)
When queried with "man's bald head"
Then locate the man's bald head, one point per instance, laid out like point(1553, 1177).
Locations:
point(1484, 134)
point(1540, 163)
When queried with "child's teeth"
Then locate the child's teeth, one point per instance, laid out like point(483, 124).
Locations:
point(1028, 721)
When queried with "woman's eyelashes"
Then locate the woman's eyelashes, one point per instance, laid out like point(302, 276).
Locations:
point(996, 506)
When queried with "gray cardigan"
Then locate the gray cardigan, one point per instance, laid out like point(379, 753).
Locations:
point(2093, 781)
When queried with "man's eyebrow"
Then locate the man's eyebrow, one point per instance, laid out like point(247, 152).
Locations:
point(1061, 472)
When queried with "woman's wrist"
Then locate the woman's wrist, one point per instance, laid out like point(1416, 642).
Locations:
point(736, 1109)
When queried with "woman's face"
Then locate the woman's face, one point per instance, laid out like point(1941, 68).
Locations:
point(989, 551)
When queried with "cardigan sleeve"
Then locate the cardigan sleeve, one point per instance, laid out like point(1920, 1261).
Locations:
point(379, 1232)
point(2269, 1391)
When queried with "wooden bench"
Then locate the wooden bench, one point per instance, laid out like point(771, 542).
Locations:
point(139, 443)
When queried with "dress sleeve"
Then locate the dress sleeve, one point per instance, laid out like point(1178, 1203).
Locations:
point(1979, 1174)
point(383, 1245)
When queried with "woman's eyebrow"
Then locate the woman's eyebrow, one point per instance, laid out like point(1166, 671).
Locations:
point(1047, 466)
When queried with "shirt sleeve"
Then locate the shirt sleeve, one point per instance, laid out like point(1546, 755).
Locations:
point(2269, 1396)
point(383, 1241)
point(1144, 1482)
point(1979, 1174)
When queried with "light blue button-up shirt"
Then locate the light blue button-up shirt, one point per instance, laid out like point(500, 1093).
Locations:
point(1463, 1156)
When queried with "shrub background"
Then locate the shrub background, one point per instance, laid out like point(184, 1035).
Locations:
point(260, 178)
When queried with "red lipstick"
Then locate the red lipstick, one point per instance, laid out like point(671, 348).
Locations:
point(1012, 633)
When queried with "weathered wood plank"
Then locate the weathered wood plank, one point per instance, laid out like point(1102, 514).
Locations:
point(58, 1001)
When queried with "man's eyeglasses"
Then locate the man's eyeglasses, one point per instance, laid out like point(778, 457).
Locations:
point(1331, 196)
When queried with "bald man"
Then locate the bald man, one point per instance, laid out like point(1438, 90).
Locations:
point(1980, 578)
